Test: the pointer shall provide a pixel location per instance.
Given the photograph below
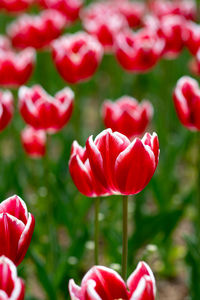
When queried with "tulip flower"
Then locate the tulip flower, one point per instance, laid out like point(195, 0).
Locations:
point(185, 8)
point(15, 6)
point(36, 31)
point(77, 56)
point(127, 116)
point(104, 22)
point(34, 142)
point(193, 37)
point(41, 111)
point(173, 31)
point(121, 166)
point(16, 68)
point(138, 52)
point(187, 102)
point(16, 229)
point(11, 286)
point(6, 108)
point(69, 8)
point(103, 283)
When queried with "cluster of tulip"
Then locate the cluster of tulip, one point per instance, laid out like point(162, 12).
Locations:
point(118, 161)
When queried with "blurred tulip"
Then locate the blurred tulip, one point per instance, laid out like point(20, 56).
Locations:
point(11, 286)
point(132, 11)
point(4, 43)
point(187, 102)
point(127, 116)
point(105, 284)
point(34, 142)
point(138, 52)
point(185, 8)
point(117, 165)
point(36, 31)
point(173, 31)
point(16, 229)
point(15, 6)
point(77, 56)
point(69, 8)
point(41, 111)
point(6, 108)
point(16, 68)
point(193, 37)
point(81, 173)
point(104, 22)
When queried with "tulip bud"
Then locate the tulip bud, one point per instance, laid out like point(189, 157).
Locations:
point(127, 116)
point(16, 68)
point(15, 6)
point(69, 8)
point(41, 111)
point(104, 283)
point(77, 56)
point(6, 108)
point(34, 142)
point(16, 229)
point(138, 52)
point(36, 31)
point(187, 102)
point(104, 22)
point(11, 286)
point(184, 8)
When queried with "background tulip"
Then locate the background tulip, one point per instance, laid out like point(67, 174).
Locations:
point(41, 111)
point(11, 286)
point(16, 68)
point(69, 8)
point(77, 56)
point(6, 108)
point(15, 6)
point(187, 102)
point(36, 31)
point(34, 142)
point(127, 116)
point(103, 283)
point(16, 229)
point(138, 52)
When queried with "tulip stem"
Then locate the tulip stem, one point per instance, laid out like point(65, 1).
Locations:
point(96, 234)
point(198, 191)
point(125, 237)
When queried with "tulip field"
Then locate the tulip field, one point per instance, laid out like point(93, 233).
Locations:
point(99, 150)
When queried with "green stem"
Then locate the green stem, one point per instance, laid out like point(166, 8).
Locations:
point(96, 234)
point(198, 191)
point(125, 237)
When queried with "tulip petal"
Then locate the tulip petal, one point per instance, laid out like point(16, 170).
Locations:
point(16, 207)
point(74, 291)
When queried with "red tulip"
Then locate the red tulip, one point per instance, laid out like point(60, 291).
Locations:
point(187, 102)
point(16, 229)
point(127, 116)
point(101, 283)
point(34, 142)
point(173, 31)
point(132, 11)
point(81, 173)
point(16, 68)
point(11, 286)
point(6, 108)
point(41, 111)
point(105, 22)
point(185, 8)
point(138, 52)
point(15, 6)
point(77, 56)
point(117, 165)
point(193, 37)
point(69, 8)
point(36, 31)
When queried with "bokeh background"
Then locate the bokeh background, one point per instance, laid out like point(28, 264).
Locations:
point(160, 217)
